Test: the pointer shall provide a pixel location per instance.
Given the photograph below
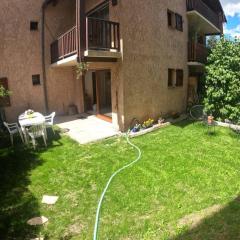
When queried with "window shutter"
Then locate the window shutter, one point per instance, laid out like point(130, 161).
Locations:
point(179, 78)
point(170, 77)
point(4, 101)
point(179, 22)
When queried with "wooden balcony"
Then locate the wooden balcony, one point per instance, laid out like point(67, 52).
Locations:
point(204, 10)
point(65, 46)
point(197, 52)
point(101, 37)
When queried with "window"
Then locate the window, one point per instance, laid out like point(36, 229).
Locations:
point(4, 101)
point(179, 78)
point(170, 77)
point(36, 80)
point(179, 22)
point(175, 20)
point(170, 16)
point(33, 26)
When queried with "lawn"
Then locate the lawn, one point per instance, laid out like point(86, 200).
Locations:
point(186, 186)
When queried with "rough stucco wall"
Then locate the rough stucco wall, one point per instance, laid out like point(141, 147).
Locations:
point(149, 49)
point(139, 79)
point(20, 55)
point(63, 88)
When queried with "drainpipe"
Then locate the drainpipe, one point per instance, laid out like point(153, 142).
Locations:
point(44, 77)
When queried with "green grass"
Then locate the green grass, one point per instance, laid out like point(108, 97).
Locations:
point(183, 170)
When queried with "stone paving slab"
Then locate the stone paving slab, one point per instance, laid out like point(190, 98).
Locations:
point(50, 200)
point(86, 130)
point(37, 221)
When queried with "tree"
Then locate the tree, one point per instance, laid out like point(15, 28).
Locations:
point(222, 98)
point(212, 41)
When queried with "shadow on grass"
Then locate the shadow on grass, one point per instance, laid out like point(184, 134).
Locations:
point(223, 225)
point(184, 123)
point(17, 203)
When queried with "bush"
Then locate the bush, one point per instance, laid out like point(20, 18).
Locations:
point(222, 97)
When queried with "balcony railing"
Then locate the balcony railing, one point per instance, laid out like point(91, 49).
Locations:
point(100, 35)
point(197, 52)
point(204, 10)
point(65, 46)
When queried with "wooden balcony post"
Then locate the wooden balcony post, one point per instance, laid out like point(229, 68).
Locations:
point(80, 29)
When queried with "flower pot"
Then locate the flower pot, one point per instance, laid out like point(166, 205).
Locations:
point(135, 129)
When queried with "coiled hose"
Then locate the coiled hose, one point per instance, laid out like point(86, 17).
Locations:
point(95, 234)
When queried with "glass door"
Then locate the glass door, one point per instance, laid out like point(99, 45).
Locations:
point(104, 96)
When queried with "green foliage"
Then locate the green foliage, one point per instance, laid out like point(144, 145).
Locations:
point(212, 41)
point(222, 97)
point(81, 69)
point(4, 92)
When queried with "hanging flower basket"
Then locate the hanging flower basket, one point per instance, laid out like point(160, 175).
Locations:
point(81, 69)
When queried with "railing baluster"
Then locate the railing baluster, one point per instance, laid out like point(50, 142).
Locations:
point(102, 34)
point(114, 35)
point(64, 46)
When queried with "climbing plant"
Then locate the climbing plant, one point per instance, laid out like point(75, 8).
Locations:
point(222, 95)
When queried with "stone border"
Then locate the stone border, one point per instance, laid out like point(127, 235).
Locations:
point(228, 125)
point(158, 126)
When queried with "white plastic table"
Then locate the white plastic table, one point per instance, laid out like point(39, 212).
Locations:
point(26, 121)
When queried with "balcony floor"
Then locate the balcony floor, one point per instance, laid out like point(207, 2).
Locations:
point(66, 62)
point(197, 21)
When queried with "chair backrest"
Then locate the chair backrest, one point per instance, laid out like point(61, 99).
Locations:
point(49, 119)
point(37, 130)
point(11, 127)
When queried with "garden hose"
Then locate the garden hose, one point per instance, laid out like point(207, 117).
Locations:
point(95, 234)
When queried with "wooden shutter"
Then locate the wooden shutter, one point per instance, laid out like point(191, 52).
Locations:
point(170, 77)
point(179, 22)
point(170, 16)
point(4, 101)
point(179, 78)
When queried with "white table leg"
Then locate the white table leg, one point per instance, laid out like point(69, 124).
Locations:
point(25, 135)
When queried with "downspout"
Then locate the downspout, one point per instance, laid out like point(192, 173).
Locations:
point(44, 77)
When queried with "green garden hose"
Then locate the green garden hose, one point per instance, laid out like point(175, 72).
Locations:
point(95, 234)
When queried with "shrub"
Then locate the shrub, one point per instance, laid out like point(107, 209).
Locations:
point(222, 97)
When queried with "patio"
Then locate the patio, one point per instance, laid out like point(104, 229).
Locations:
point(86, 128)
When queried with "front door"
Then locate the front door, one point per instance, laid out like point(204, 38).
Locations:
point(104, 96)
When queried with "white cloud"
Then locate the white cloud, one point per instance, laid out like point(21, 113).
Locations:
point(233, 32)
point(231, 7)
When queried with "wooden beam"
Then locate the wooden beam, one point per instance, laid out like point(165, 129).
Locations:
point(99, 59)
point(81, 28)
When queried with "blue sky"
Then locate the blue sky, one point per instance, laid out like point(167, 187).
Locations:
point(232, 11)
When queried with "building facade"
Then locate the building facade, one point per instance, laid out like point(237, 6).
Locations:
point(139, 58)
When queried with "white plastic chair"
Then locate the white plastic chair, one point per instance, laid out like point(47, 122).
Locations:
point(13, 129)
point(49, 121)
point(37, 131)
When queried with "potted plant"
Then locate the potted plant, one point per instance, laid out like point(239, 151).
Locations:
point(136, 128)
point(161, 120)
point(3, 93)
point(81, 69)
point(148, 123)
point(175, 115)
